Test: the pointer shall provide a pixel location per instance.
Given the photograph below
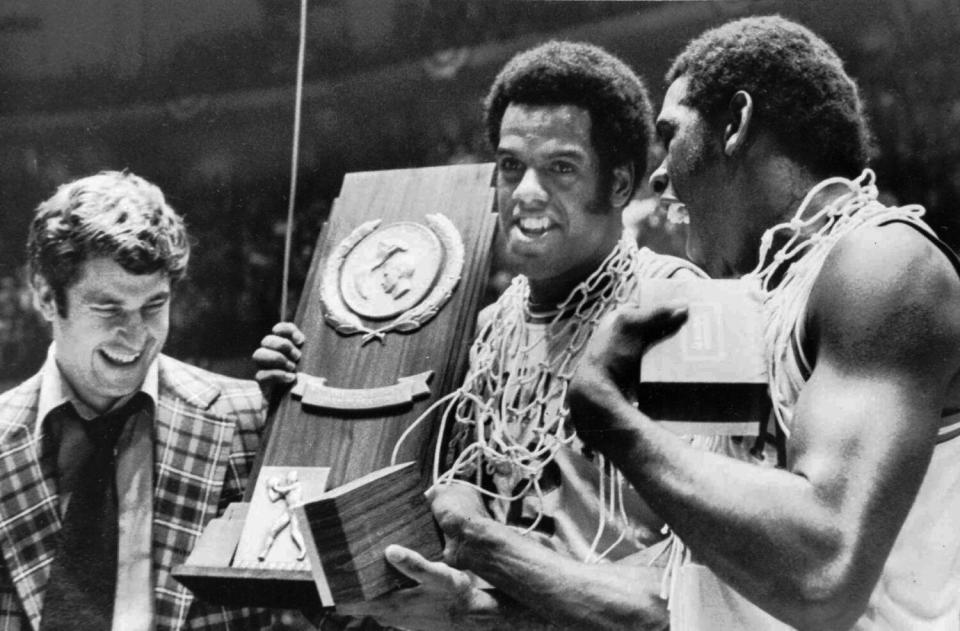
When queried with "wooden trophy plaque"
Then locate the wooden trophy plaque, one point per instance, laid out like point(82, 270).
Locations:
point(388, 310)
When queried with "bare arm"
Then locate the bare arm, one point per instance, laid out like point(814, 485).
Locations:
point(536, 588)
point(568, 592)
point(445, 599)
point(806, 544)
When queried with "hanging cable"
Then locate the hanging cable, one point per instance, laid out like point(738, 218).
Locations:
point(294, 162)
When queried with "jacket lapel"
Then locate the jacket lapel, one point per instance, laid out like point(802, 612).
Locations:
point(29, 518)
point(191, 453)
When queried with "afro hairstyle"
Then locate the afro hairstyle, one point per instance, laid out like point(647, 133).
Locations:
point(584, 75)
point(800, 90)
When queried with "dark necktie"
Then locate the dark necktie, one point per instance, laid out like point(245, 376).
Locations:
point(83, 577)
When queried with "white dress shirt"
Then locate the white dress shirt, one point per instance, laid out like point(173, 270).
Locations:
point(133, 604)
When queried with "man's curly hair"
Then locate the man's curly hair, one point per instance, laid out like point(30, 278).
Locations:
point(113, 214)
point(574, 73)
point(801, 92)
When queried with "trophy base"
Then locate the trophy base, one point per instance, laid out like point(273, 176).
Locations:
point(208, 574)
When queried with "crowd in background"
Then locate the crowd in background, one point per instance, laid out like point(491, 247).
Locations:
point(901, 58)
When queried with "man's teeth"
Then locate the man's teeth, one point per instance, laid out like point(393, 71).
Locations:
point(677, 213)
point(533, 224)
point(121, 358)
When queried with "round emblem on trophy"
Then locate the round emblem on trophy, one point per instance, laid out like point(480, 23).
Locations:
point(390, 270)
point(402, 272)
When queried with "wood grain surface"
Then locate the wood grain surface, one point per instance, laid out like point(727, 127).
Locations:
point(353, 525)
point(354, 444)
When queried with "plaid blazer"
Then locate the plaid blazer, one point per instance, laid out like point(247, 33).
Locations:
point(206, 434)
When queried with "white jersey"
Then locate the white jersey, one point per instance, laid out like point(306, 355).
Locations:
point(564, 499)
point(919, 587)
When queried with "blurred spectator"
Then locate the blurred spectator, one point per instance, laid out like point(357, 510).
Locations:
point(23, 335)
point(229, 176)
point(647, 223)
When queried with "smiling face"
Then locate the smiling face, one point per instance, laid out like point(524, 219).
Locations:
point(692, 174)
point(557, 224)
point(114, 327)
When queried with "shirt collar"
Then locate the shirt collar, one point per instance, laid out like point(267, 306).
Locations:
point(55, 390)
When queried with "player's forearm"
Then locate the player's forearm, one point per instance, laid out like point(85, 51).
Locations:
point(767, 532)
point(504, 612)
point(426, 608)
point(568, 593)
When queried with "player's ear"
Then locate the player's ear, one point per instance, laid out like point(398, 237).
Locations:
point(740, 112)
point(622, 185)
point(44, 298)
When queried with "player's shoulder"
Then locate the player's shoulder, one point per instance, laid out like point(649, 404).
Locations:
point(655, 265)
point(887, 284)
point(514, 293)
point(889, 259)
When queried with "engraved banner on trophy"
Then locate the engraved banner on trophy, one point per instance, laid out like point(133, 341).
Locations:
point(388, 310)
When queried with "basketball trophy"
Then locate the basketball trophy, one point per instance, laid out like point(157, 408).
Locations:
point(388, 310)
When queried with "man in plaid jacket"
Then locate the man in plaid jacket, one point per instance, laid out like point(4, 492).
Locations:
point(104, 254)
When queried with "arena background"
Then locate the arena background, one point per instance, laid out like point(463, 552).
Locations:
point(197, 96)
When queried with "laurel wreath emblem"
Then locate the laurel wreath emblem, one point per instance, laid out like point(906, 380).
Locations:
point(345, 322)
